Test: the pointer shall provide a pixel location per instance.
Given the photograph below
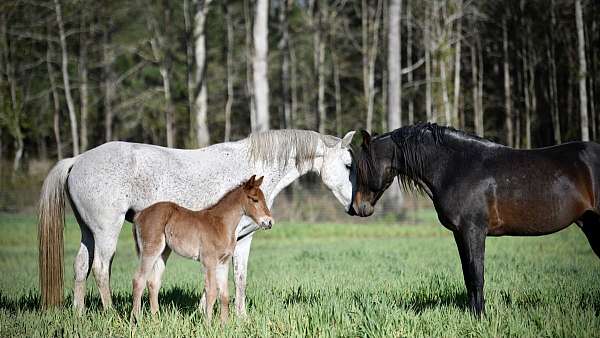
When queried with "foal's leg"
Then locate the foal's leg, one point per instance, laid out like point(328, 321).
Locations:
point(470, 240)
point(590, 225)
point(139, 281)
point(240, 268)
point(222, 274)
point(210, 288)
point(155, 279)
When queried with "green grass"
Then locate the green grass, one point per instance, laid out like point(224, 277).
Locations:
point(328, 280)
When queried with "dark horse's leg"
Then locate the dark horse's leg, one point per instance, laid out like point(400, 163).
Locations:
point(590, 224)
point(470, 240)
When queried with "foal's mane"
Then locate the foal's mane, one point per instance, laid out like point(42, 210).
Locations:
point(276, 146)
point(227, 195)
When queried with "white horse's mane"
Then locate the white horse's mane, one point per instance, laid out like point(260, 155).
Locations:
point(279, 145)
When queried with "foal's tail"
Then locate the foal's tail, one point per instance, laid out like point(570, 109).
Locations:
point(50, 233)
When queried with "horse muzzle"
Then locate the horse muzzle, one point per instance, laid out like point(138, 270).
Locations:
point(364, 209)
point(266, 223)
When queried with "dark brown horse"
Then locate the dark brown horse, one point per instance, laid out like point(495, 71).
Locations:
point(480, 188)
point(207, 236)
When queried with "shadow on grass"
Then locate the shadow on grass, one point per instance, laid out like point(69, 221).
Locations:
point(423, 301)
point(28, 302)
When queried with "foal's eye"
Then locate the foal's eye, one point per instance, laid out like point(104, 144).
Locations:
point(255, 200)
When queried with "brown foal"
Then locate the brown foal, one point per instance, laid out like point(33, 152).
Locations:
point(207, 235)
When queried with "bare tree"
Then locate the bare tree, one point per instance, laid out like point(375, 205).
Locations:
point(394, 63)
point(409, 56)
point(201, 99)
point(427, 42)
point(66, 80)
point(369, 49)
point(55, 99)
point(189, 62)
point(108, 57)
point(583, 106)
point(457, 64)
point(284, 51)
point(260, 65)
point(248, 49)
point(229, 57)
point(83, 78)
point(507, 91)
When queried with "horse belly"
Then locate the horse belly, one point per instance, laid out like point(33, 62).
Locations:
point(534, 216)
point(182, 242)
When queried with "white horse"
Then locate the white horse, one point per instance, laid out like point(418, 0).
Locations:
point(110, 183)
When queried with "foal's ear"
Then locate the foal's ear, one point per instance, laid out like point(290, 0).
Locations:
point(258, 182)
point(250, 183)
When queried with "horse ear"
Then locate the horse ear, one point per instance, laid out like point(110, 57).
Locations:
point(348, 138)
point(258, 182)
point(250, 182)
point(366, 137)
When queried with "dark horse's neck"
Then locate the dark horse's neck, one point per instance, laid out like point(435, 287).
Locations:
point(421, 154)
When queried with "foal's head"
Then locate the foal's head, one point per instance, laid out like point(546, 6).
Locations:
point(254, 204)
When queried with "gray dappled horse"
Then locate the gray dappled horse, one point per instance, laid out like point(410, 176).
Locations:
point(109, 184)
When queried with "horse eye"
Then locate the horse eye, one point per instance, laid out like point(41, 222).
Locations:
point(348, 166)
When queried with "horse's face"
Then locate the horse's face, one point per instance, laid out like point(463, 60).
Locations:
point(372, 174)
point(335, 171)
point(254, 203)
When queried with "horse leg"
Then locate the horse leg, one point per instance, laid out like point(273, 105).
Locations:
point(470, 241)
point(240, 268)
point(155, 279)
point(210, 288)
point(222, 274)
point(147, 262)
point(82, 266)
point(590, 225)
point(105, 247)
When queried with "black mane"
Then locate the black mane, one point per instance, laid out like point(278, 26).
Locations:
point(409, 156)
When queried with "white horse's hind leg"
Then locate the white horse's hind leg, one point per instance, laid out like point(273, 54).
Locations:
point(240, 269)
point(105, 247)
point(82, 267)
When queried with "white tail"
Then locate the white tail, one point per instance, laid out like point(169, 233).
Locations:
point(50, 233)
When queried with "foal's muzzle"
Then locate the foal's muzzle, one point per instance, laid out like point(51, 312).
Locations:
point(266, 223)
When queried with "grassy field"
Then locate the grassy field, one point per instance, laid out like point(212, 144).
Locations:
point(329, 280)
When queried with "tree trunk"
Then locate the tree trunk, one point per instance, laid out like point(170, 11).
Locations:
point(322, 109)
point(109, 81)
point(409, 56)
point(229, 57)
point(480, 86)
point(66, 81)
point(189, 61)
point(457, 64)
point(445, 98)
point(553, 85)
point(338, 94)
point(507, 91)
point(583, 106)
point(83, 79)
point(370, 28)
point(260, 65)
point(394, 63)
point(284, 50)
point(427, 47)
point(201, 99)
point(55, 100)
point(249, 83)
